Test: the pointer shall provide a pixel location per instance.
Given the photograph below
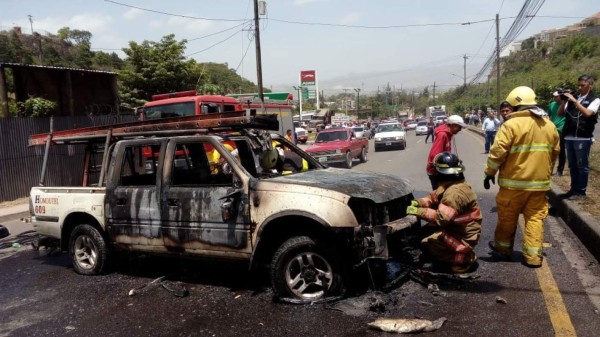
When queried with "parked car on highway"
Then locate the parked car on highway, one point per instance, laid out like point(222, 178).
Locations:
point(339, 145)
point(390, 135)
point(421, 128)
point(301, 135)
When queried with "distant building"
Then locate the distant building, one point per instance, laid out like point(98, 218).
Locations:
point(511, 48)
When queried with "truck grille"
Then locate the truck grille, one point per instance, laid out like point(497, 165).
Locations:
point(322, 153)
point(370, 214)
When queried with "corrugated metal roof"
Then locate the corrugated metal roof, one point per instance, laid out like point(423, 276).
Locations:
point(19, 65)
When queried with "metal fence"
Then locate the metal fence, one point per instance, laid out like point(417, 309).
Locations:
point(20, 165)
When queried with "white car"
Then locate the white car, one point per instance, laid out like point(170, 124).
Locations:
point(390, 135)
point(421, 128)
point(359, 131)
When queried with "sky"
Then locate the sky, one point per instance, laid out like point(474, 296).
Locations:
point(364, 44)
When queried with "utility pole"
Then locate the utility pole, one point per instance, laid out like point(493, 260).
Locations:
point(479, 98)
point(433, 92)
point(30, 22)
point(465, 57)
point(261, 95)
point(497, 60)
point(299, 88)
point(345, 101)
point(357, 100)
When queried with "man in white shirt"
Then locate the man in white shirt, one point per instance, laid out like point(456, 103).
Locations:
point(490, 126)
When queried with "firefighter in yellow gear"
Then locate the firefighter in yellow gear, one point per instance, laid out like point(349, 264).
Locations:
point(453, 215)
point(523, 152)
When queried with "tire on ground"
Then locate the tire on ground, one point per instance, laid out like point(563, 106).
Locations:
point(348, 162)
point(363, 155)
point(304, 271)
point(88, 250)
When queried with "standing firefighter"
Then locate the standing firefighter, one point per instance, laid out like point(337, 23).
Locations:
point(453, 213)
point(524, 152)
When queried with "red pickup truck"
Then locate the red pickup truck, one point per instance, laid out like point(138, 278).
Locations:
point(339, 145)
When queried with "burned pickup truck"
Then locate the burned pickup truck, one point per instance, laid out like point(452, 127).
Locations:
point(222, 187)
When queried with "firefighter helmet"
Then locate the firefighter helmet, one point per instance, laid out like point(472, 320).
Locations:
point(447, 163)
point(268, 159)
point(521, 96)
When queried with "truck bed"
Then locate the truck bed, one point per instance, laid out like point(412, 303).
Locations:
point(50, 206)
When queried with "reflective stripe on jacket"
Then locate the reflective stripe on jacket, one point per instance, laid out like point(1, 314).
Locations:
point(524, 151)
point(454, 207)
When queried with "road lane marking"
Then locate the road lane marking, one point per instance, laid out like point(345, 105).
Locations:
point(559, 316)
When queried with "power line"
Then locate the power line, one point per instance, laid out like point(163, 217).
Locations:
point(527, 12)
point(381, 27)
point(214, 45)
point(171, 14)
point(244, 56)
point(219, 32)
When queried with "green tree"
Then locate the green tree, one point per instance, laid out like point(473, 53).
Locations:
point(156, 67)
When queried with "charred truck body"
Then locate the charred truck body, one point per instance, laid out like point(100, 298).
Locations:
point(214, 187)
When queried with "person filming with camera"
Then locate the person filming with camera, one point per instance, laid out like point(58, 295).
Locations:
point(581, 116)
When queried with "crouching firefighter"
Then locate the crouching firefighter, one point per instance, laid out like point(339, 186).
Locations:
point(453, 216)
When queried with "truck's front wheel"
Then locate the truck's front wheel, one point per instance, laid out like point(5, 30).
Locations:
point(304, 272)
point(88, 250)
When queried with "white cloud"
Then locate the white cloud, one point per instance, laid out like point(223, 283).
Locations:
point(305, 2)
point(93, 23)
point(188, 25)
point(132, 14)
point(350, 18)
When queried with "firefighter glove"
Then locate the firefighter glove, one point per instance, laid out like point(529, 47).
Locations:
point(414, 203)
point(487, 179)
point(411, 210)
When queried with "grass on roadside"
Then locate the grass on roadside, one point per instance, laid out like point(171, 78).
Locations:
point(590, 203)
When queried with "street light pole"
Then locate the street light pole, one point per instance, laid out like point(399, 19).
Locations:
point(258, 57)
point(299, 88)
point(357, 101)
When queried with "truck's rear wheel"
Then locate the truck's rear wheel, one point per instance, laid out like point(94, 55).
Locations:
point(304, 272)
point(348, 163)
point(363, 155)
point(88, 250)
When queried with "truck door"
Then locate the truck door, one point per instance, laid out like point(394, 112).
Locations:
point(132, 194)
point(205, 201)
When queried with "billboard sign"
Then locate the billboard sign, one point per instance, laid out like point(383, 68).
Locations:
point(308, 77)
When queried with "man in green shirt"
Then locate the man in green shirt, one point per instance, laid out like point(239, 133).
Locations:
point(559, 122)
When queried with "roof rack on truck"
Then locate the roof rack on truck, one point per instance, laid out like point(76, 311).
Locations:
point(199, 124)
point(168, 126)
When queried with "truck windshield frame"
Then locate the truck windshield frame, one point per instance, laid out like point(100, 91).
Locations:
point(180, 109)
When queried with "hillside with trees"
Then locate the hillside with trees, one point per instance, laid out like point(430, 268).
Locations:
point(544, 68)
point(149, 67)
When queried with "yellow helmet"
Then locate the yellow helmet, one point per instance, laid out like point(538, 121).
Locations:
point(268, 159)
point(521, 96)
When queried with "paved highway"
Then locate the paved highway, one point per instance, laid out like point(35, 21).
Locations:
point(42, 296)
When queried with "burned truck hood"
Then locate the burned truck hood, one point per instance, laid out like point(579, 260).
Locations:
point(374, 186)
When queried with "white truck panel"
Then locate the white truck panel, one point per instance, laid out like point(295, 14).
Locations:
point(52, 205)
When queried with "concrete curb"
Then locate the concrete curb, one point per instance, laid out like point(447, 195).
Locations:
point(582, 223)
point(14, 212)
point(586, 227)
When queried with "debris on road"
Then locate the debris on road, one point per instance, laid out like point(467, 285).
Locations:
point(434, 289)
point(500, 300)
point(406, 325)
point(175, 288)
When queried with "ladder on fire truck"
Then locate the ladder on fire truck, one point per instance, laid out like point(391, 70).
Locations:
point(190, 125)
